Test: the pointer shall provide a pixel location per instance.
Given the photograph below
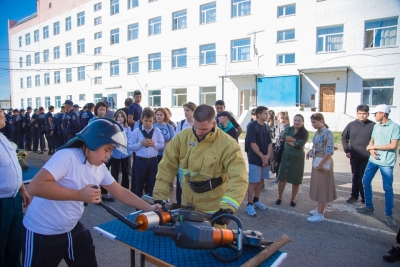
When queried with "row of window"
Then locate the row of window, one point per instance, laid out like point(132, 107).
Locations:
point(208, 95)
point(374, 92)
point(208, 14)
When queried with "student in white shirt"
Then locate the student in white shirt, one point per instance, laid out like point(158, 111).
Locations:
point(52, 230)
point(146, 141)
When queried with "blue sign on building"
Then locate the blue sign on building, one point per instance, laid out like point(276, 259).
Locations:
point(280, 91)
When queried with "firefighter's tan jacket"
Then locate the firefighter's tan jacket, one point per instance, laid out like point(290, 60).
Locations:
point(217, 155)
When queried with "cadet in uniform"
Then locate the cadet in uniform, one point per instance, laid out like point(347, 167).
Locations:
point(59, 125)
point(21, 129)
point(34, 131)
point(15, 118)
point(87, 115)
point(41, 121)
point(28, 132)
point(73, 126)
point(50, 133)
point(215, 178)
point(8, 130)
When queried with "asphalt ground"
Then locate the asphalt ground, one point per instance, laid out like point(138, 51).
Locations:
point(345, 238)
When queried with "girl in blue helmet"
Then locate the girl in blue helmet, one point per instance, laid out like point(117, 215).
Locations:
point(52, 230)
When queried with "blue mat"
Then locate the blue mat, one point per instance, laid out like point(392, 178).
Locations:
point(28, 175)
point(165, 249)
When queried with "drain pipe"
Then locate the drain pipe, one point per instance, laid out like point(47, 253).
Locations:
point(347, 87)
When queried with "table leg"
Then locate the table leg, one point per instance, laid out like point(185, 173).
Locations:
point(132, 258)
point(142, 261)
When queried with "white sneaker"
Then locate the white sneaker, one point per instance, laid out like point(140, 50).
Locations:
point(271, 175)
point(260, 205)
point(313, 212)
point(250, 210)
point(316, 218)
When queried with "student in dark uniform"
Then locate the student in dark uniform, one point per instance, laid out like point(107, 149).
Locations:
point(21, 129)
point(64, 122)
point(28, 132)
point(34, 131)
point(48, 118)
point(59, 123)
point(135, 110)
point(73, 124)
point(41, 121)
point(15, 118)
point(87, 115)
point(8, 130)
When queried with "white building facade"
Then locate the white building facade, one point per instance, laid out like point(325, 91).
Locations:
point(341, 53)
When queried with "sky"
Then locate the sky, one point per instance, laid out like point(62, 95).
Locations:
point(14, 10)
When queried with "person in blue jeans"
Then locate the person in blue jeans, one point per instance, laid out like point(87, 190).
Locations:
point(382, 147)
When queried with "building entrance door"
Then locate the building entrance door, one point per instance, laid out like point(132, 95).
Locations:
point(327, 98)
point(247, 99)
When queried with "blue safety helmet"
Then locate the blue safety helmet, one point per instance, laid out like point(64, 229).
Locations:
point(100, 132)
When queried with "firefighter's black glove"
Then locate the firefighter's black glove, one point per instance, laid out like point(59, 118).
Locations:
point(222, 221)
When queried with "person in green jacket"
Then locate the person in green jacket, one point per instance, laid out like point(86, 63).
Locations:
point(291, 168)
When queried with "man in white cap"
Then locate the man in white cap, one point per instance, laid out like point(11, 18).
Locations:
point(383, 149)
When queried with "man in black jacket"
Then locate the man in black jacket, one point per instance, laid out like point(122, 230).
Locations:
point(355, 138)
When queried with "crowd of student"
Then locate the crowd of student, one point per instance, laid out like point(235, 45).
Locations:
point(272, 145)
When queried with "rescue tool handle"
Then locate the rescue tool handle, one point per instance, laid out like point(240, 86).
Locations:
point(116, 214)
point(239, 242)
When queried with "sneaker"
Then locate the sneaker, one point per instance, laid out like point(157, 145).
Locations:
point(250, 210)
point(40, 152)
point(390, 221)
point(352, 200)
point(276, 181)
point(35, 151)
point(316, 218)
point(313, 212)
point(260, 205)
point(392, 255)
point(365, 209)
point(271, 175)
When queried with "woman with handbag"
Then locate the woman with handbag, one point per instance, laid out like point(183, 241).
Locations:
point(291, 168)
point(322, 183)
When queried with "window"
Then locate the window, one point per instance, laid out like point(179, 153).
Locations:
point(38, 101)
point(240, 50)
point(57, 100)
point(46, 78)
point(29, 82)
point(378, 91)
point(155, 26)
point(20, 62)
point(29, 100)
point(46, 55)
point(285, 59)
point(68, 49)
point(208, 95)
point(45, 32)
point(179, 58)
point(381, 33)
point(22, 103)
point(97, 7)
point(36, 36)
point(288, 10)
point(56, 28)
point(97, 21)
point(241, 8)
point(28, 39)
point(68, 24)
point(21, 83)
point(47, 101)
point(20, 41)
point(81, 73)
point(81, 46)
point(56, 77)
point(155, 98)
point(82, 97)
point(207, 54)
point(330, 39)
point(133, 31)
point(114, 7)
point(114, 68)
point(98, 35)
point(155, 62)
point(28, 60)
point(179, 97)
point(133, 65)
point(114, 36)
point(56, 52)
point(97, 98)
point(37, 58)
point(97, 66)
point(133, 3)
point(286, 35)
point(97, 80)
point(69, 75)
point(97, 50)
point(208, 13)
point(81, 18)
point(37, 80)
point(179, 20)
